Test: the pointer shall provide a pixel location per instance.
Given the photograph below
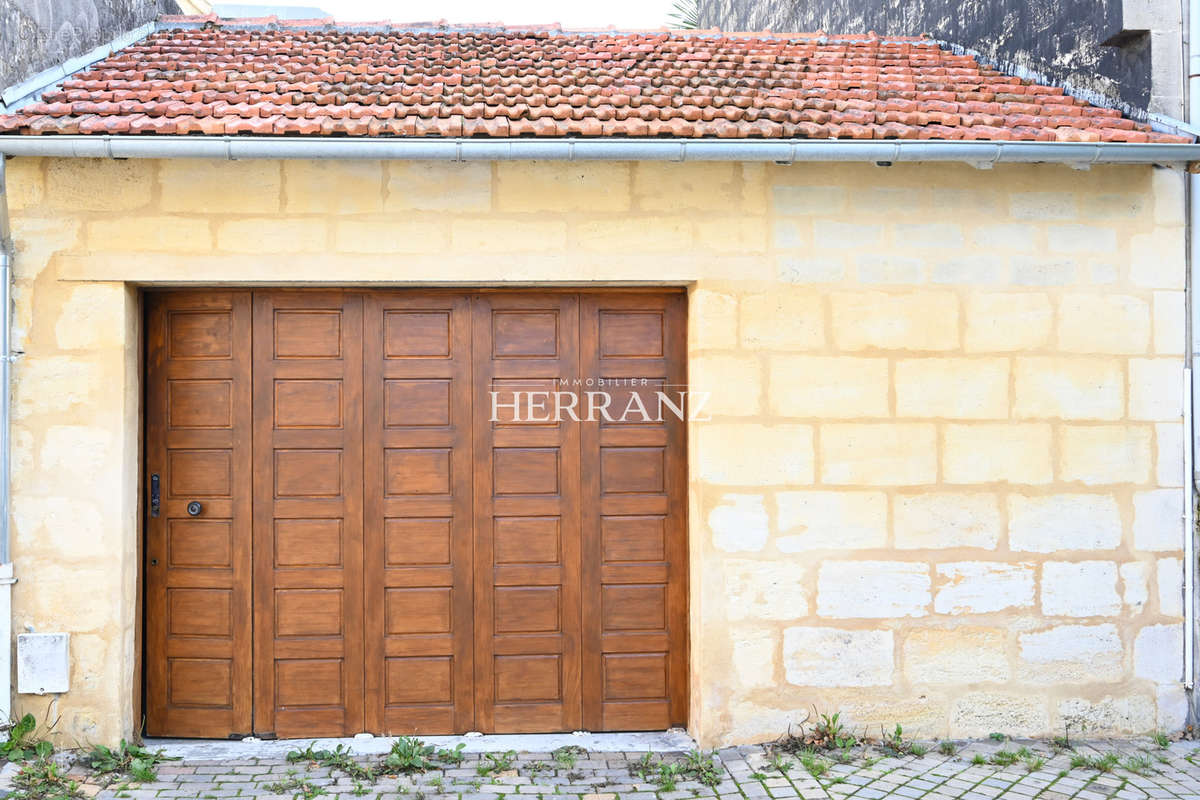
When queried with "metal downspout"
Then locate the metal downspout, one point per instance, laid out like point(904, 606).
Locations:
point(6, 568)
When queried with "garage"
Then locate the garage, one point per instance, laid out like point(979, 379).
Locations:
point(353, 524)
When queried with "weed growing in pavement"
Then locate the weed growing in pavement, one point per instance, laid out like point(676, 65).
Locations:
point(782, 764)
point(996, 736)
point(360, 789)
point(538, 767)
point(128, 759)
point(1004, 758)
point(667, 773)
point(1138, 764)
point(702, 767)
point(21, 743)
point(452, 757)
point(339, 758)
point(1033, 762)
point(567, 755)
point(896, 743)
point(436, 782)
point(298, 788)
point(918, 749)
point(978, 759)
point(43, 779)
point(815, 765)
point(759, 776)
point(495, 763)
point(1161, 740)
point(947, 748)
point(408, 754)
point(1105, 763)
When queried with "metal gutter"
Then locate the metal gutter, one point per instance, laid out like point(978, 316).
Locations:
point(6, 568)
point(1191, 362)
point(782, 151)
point(30, 90)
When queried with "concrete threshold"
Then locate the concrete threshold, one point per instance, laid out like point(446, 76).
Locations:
point(674, 740)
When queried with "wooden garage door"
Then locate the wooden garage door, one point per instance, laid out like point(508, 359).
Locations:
point(375, 550)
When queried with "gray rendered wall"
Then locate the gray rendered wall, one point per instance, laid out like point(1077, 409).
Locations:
point(38, 34)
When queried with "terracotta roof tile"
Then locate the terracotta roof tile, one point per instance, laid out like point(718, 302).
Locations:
point(310, 78)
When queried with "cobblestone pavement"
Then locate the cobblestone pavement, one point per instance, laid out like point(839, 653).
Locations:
point(987, 769)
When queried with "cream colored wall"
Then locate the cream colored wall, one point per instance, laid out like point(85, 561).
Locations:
point(942, 481)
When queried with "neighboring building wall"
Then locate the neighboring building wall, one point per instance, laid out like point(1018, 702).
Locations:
point(1141, 66)
point(942, 481)
point(36, 35)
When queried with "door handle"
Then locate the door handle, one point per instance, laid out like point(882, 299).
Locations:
point(194, 508)
point(154, 499)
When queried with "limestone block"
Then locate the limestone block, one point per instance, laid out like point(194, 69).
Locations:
point(713, 317)
point(1171, 701)
point(783, 320)
point(1081, 239)
point(26, 182)
point(954, 388)
point(837, 658)
point(333, 187)
point(732, 235)
point(811, 269)
point(829, 234)
point(1070, 654)
point(878, 454)
point(1169, 446)
point(92, 317)
point(1169, 572)
point(830, 520)
point(209, 186)
point(1126, 327)
point(828, 386)
point(1129, 714)
point(1070, 388)
point(485, 236)
point(1050, 523)
point(739, 524)
point(1080, 589)
point(1158, 520)
point(997, 452)
point(889, 268)
point(1158, 260)
point(1042, 205)
point(1097, 455)
point(397, 236)
point(872, 589)
point(54, 384)
point(755, 656)
point(650, 235)
point(1156, 388)
point(980, 587)
point(1170, 321)
point(1135, 586)
point(98, 184)
point(947, 519)
point(744, 454)
point(709, 186)
point(765, 590)
point(976, 714)
point(1158, 653)
point(733, 384)
point(1018, 237)
point(150, 233)
point(956, 656)
point(930, 235)
point(560, 186)
point(968, 268)
point(1000, 322)
point(272, 236)
point(808, 200)
point(439, 186)
point(924, 320)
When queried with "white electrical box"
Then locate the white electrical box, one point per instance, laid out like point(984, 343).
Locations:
point(43, 663)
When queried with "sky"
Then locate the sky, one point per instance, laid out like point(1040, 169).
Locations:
point(621, 13)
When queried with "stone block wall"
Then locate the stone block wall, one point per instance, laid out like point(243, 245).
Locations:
point(941, 479)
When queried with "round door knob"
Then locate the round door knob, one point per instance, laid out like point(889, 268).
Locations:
point(194, 508)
